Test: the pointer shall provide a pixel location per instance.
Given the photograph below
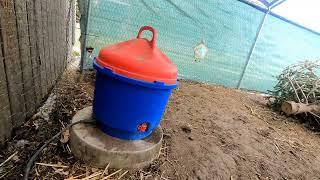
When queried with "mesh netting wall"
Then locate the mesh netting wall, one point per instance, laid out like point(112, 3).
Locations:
point(280, 44)
point(227, 27)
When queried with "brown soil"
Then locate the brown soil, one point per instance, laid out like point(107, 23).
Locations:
point(234, 135)
point(211, 132)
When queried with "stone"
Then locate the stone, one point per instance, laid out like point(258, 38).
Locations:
point(96, 148)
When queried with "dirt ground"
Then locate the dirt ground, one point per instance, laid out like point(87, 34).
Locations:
point(211, 132)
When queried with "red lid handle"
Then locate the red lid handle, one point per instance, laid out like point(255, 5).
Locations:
point(154, 34)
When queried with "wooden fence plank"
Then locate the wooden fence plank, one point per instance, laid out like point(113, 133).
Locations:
point(55, 38)
point(65, 46)
point(24, 48)
point(58, 25)
point(5, 120)
point(63, 37)
point(11, 62)
point(51, 26)
point(34, 52)
point(51, 48)
point(40, 46)
point(58, 21)
point(45, 15)
point(68, 15)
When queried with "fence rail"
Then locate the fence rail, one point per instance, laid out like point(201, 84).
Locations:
point(35, 42)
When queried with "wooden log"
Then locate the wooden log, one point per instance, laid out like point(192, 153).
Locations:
point(293, 108)
point(12, 62)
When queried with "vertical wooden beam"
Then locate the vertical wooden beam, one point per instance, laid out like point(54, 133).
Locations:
point(46, 46)
point(57, 24)
point(41, 57)
point(34, 52)
point(10, 52)
point(5, 120)
point(66, 21)
point(60, 24)
point(54, 38)
point(24, 48)
point(73, 19)
point(51, 44)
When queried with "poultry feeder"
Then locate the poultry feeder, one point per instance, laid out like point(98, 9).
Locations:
point(134, 81)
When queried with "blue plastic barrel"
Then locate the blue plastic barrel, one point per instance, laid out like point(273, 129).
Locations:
point(128, 108)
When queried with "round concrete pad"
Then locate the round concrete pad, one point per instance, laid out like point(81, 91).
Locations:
point(96, 148)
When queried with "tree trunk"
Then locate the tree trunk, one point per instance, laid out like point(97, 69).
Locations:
point(293, 108)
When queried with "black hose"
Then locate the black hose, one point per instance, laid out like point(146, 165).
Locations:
point(35, 155)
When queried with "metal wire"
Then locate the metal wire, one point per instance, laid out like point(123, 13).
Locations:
point(35, 155)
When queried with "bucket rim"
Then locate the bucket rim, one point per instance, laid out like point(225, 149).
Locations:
point(154, 85)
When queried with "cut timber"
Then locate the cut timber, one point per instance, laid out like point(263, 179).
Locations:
point(293, 108)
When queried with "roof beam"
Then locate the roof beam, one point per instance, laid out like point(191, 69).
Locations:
point(265, 2)
point(275, 4)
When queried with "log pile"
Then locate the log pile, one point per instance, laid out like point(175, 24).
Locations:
point(298, 89)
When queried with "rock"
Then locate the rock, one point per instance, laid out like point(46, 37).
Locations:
point(22, 143)
point(190, 138)
point(199, 175)
point(167, 136)
point(191, 178)
point(186, 128)
point(65, 136)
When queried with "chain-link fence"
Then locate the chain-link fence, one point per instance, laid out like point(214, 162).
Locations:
point(35, 42)
point(227, 28)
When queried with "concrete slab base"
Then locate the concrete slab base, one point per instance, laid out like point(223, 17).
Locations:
point(96, 148)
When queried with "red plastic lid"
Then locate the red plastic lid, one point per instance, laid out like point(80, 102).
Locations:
point(139, 59)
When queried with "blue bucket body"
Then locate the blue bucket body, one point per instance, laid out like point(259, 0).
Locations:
point(121, 104)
